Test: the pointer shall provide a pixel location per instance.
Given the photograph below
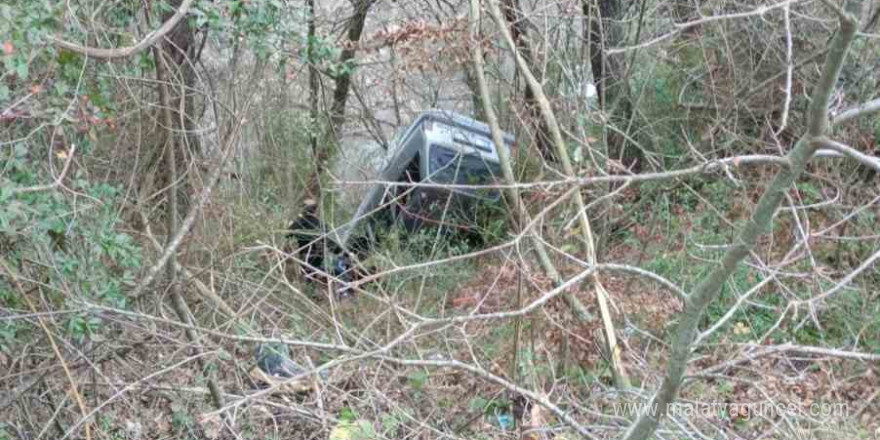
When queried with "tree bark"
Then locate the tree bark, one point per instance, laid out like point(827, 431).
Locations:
point(517, 24)
point(470, 78)
point(313, 79)
point(604, 31)
point(180, 50)
point(177, 50)
point(343, 80)
point(342, 85)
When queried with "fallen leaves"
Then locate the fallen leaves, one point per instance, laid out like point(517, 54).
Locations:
point(212, 426)
point(352, 430)
point(741, 329)
point(282, 385)
point(537, 419)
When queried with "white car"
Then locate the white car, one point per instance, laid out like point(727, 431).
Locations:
point(439, 148)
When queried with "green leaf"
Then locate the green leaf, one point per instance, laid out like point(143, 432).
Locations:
point(234, 7)
point(477, 404)
point(20, 150)
point(417, 379)
point(347, 414)
point(21, 69)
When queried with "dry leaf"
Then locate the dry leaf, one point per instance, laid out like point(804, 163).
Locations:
point(211, 426)
point(282, 385)
point(707, 135)
point(356, 430)
point(161, 422)
point(537, 417)
point(8, 48)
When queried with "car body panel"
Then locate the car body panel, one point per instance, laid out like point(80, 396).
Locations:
point(432, 138)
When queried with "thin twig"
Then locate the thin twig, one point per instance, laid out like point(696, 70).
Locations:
point(190, 219)
point(73, 386)
point(679, 27)
point(868, 161)
point(56, 183)
point(122, 52)
point(863, 109)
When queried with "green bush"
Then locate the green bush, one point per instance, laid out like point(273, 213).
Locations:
point(73, 247)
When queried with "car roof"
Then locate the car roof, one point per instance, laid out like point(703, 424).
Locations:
point(458, 120)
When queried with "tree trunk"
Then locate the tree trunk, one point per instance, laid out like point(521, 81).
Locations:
point(163, 62)
point(343, 80)
point(608, 76)
point(514, 18)
point(470, 78)
point(313, 80)
point(340, 95)
point(621, 379)
point(179, 51)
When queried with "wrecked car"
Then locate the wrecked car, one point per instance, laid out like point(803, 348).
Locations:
point(438, 148)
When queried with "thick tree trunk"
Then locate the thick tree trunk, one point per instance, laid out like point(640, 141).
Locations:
point(608, 76)
point(343, 80)
point(513, 16)
point(342, 86)
point(179, 51)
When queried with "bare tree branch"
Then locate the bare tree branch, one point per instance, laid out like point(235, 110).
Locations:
point(863, 109)
point(760, 351)
point(122, 52)
point(175, 241)
point(827, 352)
point(707, 168)
point(679, 27)
point(620, 376)
point(53, 185)
point(178, 303)
point(867, 264)
point(868, 161)
point(513, 196)
point(759, 222)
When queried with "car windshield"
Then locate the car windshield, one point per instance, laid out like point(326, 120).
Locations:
point(450, 166)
